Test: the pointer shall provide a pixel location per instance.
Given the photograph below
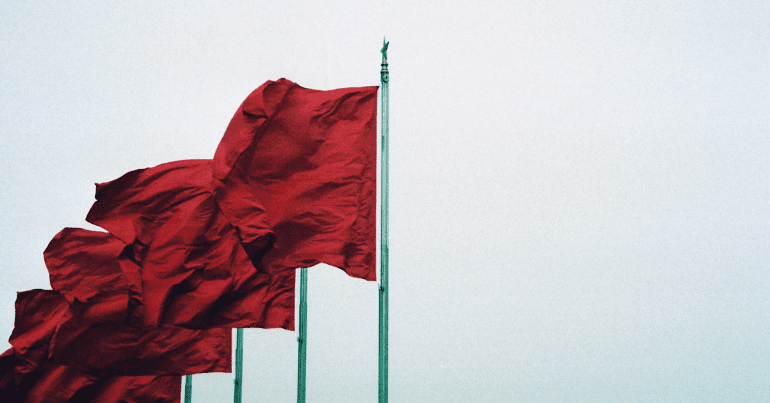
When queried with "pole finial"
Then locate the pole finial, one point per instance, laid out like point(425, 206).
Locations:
point(384, 51)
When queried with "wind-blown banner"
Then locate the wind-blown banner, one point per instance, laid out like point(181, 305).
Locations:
point(303, 162)
point(189, 266)
point(292, 185)
point(94, 331)
point(27, 374)
point(197, 247)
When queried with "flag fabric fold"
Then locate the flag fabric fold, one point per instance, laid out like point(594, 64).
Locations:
point(190, 267)
point(303, 162)
point(38, 314)
point(83, 265)
point(28, 375)
point(94, 330)
point(73, 385)
point(87, 269)
point(64, 384)
point(217, 242)
point(48, 331)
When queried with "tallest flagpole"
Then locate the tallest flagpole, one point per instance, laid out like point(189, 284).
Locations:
point(383, 360)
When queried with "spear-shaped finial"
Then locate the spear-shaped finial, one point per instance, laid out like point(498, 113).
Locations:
point(384, 51)
point(384, 72)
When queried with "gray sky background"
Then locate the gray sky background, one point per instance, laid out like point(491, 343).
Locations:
point(580, 209)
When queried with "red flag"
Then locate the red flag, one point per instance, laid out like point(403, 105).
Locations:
point(27, 375)
point(94, 334)
point(303, 162)
point(48, 331)
point(38, 313)
point(60, 384)
point(84, 266)
point(293, 186)
point(191, 267)
point(126, 350)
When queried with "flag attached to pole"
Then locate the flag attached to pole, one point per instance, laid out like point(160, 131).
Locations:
point(303, 162)
point(292, 184)
point(197, 247)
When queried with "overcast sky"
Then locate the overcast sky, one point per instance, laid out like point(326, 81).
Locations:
point(580, 199)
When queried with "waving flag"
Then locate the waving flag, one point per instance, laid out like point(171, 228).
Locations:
point(28, 375)
point(303, 162)
point(292, 184)
point(93, 331)
point(189, 265)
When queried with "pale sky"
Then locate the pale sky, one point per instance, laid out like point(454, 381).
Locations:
point(580, 209)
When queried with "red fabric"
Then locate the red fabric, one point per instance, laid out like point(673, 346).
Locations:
point(94, 333)
point(62, 384)
point(127, 350)
point(48, 330)
point(292, 185)
point(83, 265)
point(38, 313)
point(28, 375)
point(138, 389)
point(190, 267)
point(303, 162)
point(74, 385)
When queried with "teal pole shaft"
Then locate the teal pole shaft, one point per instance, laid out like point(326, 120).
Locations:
point(302, 339)
point(238, 366)
point(383, 360)
point(188, 388)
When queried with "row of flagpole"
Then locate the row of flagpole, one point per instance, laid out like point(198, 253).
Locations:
point(383, 288)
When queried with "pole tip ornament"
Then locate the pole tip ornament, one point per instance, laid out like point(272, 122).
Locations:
point(384, 51)
point(384, 72)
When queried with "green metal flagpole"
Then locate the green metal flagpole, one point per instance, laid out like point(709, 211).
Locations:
point(302, 339)
point(383, 360)
point(188, 388)
point(238, 366)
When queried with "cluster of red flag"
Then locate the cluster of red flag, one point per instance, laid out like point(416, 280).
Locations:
point(195, 248)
